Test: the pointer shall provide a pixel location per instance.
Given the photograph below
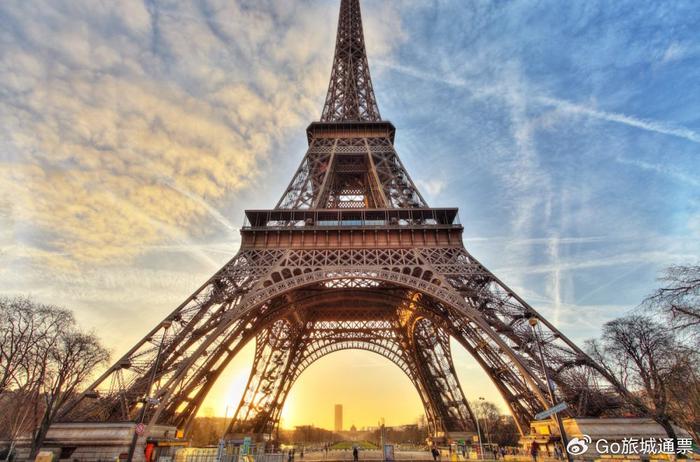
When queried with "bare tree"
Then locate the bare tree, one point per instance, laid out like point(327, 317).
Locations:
point(642, 355)
point(488, 416)
point(28, 330)
point(505, 432)
point(26, 327)
point(684, 391)
point(497, 428)
point(44, 358)
point(679, 298)
point(70, 362)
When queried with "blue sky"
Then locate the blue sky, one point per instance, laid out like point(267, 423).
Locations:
point(133, 134)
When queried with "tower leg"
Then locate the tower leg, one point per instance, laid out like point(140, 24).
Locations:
point(436, 372)
point(276, 350)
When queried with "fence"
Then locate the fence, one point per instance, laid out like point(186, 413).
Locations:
point(227, 454)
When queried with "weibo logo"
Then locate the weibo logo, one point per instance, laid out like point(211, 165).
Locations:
point(578, 446)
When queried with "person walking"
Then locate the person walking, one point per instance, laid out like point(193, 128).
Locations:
point(355, 453)
point(558, 452)
point(534, 450)
point(436, 453)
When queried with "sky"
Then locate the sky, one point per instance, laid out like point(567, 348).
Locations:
point(133, 134)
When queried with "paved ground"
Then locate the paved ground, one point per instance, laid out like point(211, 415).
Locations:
point(373, 455)
point(367, 454)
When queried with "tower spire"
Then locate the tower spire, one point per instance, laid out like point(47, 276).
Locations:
point(350, 94)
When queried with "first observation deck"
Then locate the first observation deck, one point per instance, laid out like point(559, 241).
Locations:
point(323, 228)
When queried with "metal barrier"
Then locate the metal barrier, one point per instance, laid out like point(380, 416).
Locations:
point(196, 455)
point(263, 457)
point(232, 454)
point(270, 457)
point(226, 453)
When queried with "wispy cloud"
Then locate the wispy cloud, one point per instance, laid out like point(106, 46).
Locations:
point(433, 186)
point(677, 51)
point(213, 212)
point(145, 122)
point(513, 240)
point(481, 89)
point(643, 124)
point(555, 277)
point(659, 257)
point(662, 169)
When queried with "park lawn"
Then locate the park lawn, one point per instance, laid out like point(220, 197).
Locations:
point(349, 445)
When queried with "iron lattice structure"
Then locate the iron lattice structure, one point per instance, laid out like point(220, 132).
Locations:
point(351, 257)
point(350, 95)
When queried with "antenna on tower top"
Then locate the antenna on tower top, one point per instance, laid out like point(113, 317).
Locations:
point(350, 94)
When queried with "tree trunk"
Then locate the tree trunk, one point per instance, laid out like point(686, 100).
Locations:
point(39, 437)
point(666, 423)
point(10, 450)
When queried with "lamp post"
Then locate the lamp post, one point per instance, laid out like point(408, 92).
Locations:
point(564, 439)
point(478, 432)
point(486, 426)
point(147, 399)
point(381, 437)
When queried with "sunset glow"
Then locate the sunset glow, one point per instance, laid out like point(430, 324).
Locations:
point(134, 139)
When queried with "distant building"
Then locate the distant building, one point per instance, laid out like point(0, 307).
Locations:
point(339, 417)
point(353, 428)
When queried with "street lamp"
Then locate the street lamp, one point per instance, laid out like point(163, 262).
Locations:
point(486, 426)
point(478, 432)
point(564, 440)
point(147, 399)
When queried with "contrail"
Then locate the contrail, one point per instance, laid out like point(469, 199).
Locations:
point(204, 204)
point(173, 232)
point(649, 125)
point(661, 169)
point(479, 90)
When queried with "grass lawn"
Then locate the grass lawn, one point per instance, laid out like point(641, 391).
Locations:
point(349, 444)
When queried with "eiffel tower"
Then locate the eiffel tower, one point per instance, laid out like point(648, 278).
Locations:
point(351, 257)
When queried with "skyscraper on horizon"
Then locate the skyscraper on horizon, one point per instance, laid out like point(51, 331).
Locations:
point(338, 418)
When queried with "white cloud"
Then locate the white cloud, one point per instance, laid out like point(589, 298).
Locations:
point(674, 52)
point(433, 187)
point(128, 126)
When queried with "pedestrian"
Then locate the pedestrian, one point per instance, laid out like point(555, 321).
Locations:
point(435, 453)
point(355, 453)
point(557, 452)
point(289, 456)
point(534, 450)
point(301, 454)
